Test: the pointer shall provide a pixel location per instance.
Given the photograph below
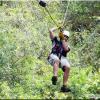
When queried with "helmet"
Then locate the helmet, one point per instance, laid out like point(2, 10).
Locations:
point(66, 33)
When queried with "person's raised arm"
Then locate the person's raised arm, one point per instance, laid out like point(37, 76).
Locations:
point(52, 32)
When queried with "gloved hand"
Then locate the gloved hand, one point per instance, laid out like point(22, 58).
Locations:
point(61, 36)
point(61, 29)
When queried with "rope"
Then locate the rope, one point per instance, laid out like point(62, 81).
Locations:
point(51, 17)
point(63, 25)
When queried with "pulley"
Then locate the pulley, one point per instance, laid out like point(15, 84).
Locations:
point(42, 3)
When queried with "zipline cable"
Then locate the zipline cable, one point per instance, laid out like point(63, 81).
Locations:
point(63, 25)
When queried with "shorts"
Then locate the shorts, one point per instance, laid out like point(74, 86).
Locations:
point(63, 61)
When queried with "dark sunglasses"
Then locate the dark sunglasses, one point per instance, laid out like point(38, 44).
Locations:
point(66, 36)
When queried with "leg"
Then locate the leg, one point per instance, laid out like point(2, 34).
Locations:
point(66, 75)
point(54, 61)
point(66, 70)
point(55, 72)
point(55, 68)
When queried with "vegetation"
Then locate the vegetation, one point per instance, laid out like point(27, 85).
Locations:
point(25, 45)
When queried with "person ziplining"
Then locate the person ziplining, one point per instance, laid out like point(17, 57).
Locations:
point(59, 51)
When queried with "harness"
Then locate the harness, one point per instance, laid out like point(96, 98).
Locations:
point(57, 48)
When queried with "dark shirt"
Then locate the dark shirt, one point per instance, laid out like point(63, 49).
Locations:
point(57, 48)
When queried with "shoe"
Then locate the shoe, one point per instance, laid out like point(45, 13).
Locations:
point(65, 89)
point(54, 80)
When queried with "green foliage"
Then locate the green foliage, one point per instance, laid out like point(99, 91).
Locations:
point(25, 45)
point(81, 81)
point(5, 91)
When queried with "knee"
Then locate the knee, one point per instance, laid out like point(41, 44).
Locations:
point(56, 62)
point(65, 69)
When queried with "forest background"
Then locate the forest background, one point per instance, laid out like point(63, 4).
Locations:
point(25, 44)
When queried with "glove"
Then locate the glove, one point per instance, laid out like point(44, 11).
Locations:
point(61, 36)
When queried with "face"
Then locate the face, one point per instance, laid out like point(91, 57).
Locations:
point(66, 37)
